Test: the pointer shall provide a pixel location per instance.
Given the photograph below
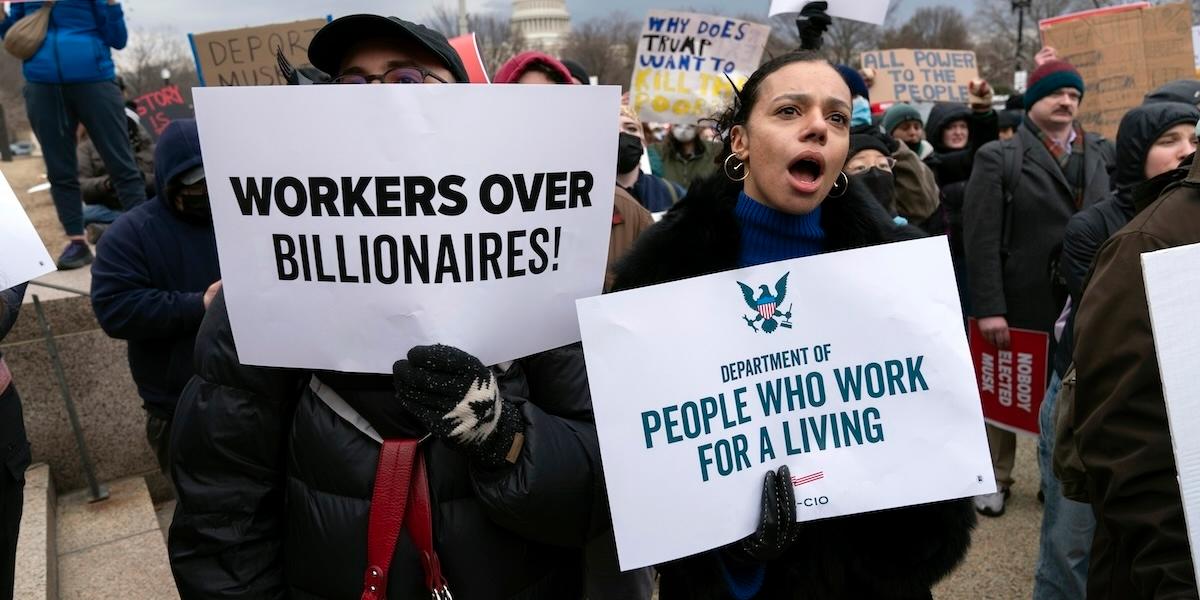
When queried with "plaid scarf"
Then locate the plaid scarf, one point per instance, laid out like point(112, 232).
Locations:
point(1072, 163)
point(1057, 151)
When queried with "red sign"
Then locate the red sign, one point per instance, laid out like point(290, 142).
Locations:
point(1012, 383)
point(468, 50)
point(158, 108)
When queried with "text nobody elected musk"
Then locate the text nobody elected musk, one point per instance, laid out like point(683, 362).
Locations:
point(398, 257)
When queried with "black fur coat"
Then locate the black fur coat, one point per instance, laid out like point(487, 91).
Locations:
point(896, 554)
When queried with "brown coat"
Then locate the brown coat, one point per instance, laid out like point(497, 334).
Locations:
point(917, 195)
point(630, 219)
point(1141, 547)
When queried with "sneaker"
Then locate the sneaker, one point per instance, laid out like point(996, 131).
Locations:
point(991, 505)
point(75, 255)
point(94, 231)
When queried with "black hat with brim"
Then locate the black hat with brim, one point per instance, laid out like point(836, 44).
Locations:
point(330, 45)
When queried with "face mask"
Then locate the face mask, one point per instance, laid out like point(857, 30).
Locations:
point(684, 133)
point(629, 153)
point(861, 113)
point(195, 208)
point(914, 146)
point(881, 183)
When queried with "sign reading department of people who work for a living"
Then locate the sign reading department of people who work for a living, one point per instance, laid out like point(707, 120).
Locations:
point(1012, 382)
point(921, 75)
point(407, 215)
point(867, 11)
point(247, 56)
point(685, 62)
point(22, 254)
point(851, 368)
point(1173, 295)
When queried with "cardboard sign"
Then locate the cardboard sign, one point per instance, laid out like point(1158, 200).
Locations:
point(22, 255)
point(867, 11)
point(1012, 383)
point(685, 62)
point(467, 47)
point(344, 245)
point(1123, 53)
point(1173, 295)
point(921, 75)
point(851, 368)
point(158, 108)
point(247, 56)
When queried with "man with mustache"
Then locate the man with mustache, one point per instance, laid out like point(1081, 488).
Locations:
point(1020, 196)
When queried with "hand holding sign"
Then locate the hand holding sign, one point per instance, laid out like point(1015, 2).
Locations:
point(1045, 55)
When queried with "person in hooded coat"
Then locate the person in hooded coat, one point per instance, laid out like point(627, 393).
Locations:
point(1152, 141)
point(737, 219)
point(155, 274)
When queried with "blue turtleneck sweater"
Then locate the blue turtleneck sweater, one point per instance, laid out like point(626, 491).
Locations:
point(769, 235)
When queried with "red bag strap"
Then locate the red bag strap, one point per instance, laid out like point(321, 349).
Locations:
point(400, 497)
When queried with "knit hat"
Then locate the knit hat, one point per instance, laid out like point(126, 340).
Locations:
point(517, 66)
point(866, 141)
point(1009, 119)
point(858, 86)
point(898, 115)
point(1052, 75)
point(577, 71)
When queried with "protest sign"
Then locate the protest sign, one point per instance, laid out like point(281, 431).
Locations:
point(158, 108)
point(921, 75)
point(408, 217)
point(1122, 53)
point(686, 60)
point(1196, 47)
point(247, 56)
point(851, 368)
point(1173, 295)
point(467, 48)
point(22, 254)
point(867, 11)
point(1012, 383)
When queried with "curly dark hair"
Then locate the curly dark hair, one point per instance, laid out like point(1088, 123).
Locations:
point(744, 99)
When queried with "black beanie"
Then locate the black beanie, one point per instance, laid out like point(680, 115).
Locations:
point(866, 141)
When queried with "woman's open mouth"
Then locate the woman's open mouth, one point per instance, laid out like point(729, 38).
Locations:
point(806, 171)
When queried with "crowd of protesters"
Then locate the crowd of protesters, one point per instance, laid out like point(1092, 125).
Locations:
point(275, 469)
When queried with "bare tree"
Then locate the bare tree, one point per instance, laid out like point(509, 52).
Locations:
point(497, 39)
point(150, 51)
point(606, 47)
point(931, 27)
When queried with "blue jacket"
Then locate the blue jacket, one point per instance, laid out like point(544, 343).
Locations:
point(78, 41)
point(655, 193)
point(151, 271)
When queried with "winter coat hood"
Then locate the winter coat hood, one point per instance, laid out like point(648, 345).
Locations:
point(1140, 128)
point(517, 66)
point(942, 115)
point(178, 152)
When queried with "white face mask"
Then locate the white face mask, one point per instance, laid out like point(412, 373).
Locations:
point(684, 133)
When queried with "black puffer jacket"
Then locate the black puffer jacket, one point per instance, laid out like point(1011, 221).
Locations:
point(274, 487)
point(885, 555)
point(953, 167)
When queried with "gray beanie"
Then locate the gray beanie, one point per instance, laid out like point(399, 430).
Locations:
point(899, 114)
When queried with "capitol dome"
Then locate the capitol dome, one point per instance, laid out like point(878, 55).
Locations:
point(543, 24)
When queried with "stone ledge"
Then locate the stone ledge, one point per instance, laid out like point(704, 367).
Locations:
point(36, 568)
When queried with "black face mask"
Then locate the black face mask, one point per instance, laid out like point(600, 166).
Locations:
point(629, 153)
point(882, 185)
point(195, 208)
point(915, 147)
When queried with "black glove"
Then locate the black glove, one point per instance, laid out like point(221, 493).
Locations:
point(458, 400)
point(812, 23)
point(777, 526)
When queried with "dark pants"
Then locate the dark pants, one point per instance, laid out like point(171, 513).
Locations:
point(14, 459)
point(158, 433)
point(55, 111)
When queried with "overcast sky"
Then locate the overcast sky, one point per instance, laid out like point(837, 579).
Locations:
point(208, 15)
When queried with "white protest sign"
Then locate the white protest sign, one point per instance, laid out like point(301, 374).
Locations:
point(867, 11)
point(22, 255)
point(852, 368)
point(1173, 295)
point(1196, 46)
point(686, 60)
point(354, 222)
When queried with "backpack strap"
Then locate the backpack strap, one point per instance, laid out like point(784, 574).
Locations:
point(1010, 180)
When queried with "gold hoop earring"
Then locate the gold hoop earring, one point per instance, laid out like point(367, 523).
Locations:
point(740, 166)
point(840, 186)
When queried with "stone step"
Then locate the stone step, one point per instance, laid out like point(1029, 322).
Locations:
point(36, 568)
point(113, 548)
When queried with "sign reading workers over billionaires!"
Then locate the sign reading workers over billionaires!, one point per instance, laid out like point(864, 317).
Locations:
point(685, 62)
point(851, 368)
point(354, 222)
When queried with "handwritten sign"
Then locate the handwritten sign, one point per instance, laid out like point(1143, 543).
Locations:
point(397, 234)
point(247, 56)
point(1012, 383)
point(22, 255)
point(686, 60)
point(158, 108)
point(867, 11)
point(1173, 295)
point(921, 75)
point(1123, 53)
point(782, 364)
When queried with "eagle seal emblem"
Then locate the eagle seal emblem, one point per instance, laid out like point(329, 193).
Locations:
point(768, 315)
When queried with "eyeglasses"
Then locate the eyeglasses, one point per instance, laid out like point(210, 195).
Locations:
point(397, 75)
point(884, 164)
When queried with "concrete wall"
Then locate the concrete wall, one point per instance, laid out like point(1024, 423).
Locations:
point(97, 373)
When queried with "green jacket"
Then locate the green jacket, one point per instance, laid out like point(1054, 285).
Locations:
point(682, 170)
